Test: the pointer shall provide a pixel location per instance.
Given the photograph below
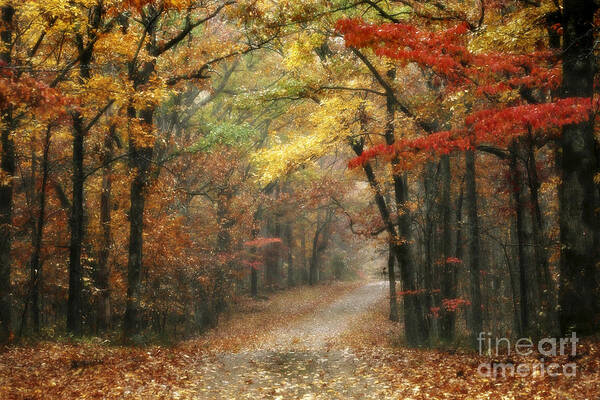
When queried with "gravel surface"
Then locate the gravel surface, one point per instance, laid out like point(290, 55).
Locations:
point(303, 361)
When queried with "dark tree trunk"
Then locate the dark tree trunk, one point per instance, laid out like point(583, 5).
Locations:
point(223, 247)
point(431, 224)
point(459, 230)
point(253, 282)
point(413, 303)
point(512, 275)
point(272, 254)
point(448, 281)
point(392, 281)
point(289, 238)
point(516, 189)
point(416, 330)
point(474, 251)
point(30, 186)
point(549, 319)
point(102, 272)
point(75, 301)
point(7, 170)
point(578, 164)
point(320, 240)
point(314, 259)
point(411, 325)
point(303, 259)
point(74, 317)
point(254, 233)
point(140, 158)
point(36, 267)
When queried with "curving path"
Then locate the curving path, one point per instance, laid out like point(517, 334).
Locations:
point(302, 361)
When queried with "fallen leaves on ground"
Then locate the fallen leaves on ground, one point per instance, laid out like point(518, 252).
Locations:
point(100, 371)
point(331, 342)
point(453, 373)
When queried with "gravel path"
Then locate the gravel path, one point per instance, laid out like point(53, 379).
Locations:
point(322, 328)
point(300, 362)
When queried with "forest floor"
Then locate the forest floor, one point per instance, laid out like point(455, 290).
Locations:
point(326, 342)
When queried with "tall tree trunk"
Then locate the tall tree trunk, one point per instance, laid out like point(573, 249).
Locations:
point(272, 254)
point(474, 251)
point(320, 240)
point(512, 278)
point(75, 301)
point(392, 281)
point(253, 282)
point(36, 267)
point(544, 278)
point(7, 173)
point(140, 158)
point(516, 191)
point(314, 259)
point(223, 247)
point(74, 317)
point(417, 332)
point(430, 299)
point(411, 326)
point(303, 259)
point(577, 193)
point(448, 281)
point(289, 238)
point(459, 232)
point(31, 308)
point(102, 272)
point(413, 303)
point(254, 233)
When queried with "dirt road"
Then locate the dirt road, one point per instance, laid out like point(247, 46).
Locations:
point(304, 360)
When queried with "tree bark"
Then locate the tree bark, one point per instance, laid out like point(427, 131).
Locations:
point(459, 251)
point(578, 162)
point(549, 319)
point(102, 272)
point(448, 284)
point(428, 274)
point(74, 317)
point(516, 191)
point(392, 281)
point(303, 254)
point(223, 247)
point(320, 240)
point(253, 271)
point(36, 267)
point(272, 253)
point(75, 301)
point(512, 275)
point(474, 250)
point(289, 237)
point(140, 158)
point(314, 258)
point(253, 282)
point(7, 173)
point(413, 303)
point(411, 326)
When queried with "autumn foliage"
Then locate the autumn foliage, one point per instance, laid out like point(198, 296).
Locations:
point(206, 173)
point(447, 55)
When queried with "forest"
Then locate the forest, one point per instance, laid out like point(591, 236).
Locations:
point(311, 199)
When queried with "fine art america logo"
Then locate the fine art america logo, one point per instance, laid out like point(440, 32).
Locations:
point(547, 348)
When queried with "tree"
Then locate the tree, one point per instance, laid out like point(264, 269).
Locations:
point(578, 195)
point(24, 100)
point(6, 184)
point(496, 123)
point(85, 49)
